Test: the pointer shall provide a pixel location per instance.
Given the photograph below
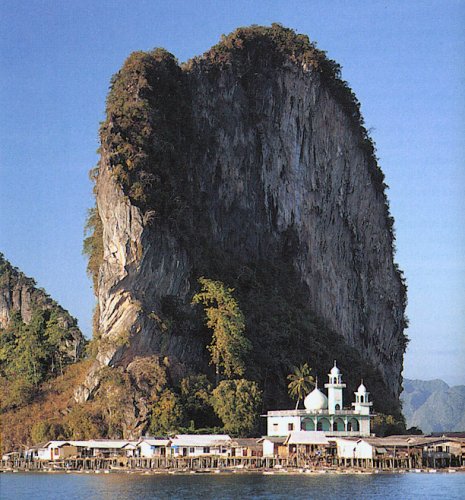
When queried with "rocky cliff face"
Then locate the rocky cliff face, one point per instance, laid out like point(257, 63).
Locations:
point(19, 294)
point(248, 164)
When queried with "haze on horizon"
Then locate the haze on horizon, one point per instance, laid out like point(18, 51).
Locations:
point(403, 61)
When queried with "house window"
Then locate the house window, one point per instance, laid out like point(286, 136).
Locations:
point(290, 427)
point(191, 450)
point(275, 427)
point(206, 449)
point(56, 451)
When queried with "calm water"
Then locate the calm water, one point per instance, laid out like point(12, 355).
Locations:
point(221, 486)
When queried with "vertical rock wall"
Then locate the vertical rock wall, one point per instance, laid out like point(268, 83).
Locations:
point(265, 154)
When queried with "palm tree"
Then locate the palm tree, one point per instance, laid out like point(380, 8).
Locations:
point(300, 382)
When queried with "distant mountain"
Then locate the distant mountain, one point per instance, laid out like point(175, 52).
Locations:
point(433, 406)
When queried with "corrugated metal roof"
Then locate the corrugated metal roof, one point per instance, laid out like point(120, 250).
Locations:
point(307, 437)
point(107, 443)
point(201, 440)
point(245, 442)
point(273, 439)
point(155, 442)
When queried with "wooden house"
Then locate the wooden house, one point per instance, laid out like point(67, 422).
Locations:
point(198, 445)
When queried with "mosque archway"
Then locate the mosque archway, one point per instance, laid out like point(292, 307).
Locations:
point(323, 425)
point(308, 424)
point(338, 425)
point(352, 425)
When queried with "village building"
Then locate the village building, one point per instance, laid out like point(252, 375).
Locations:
point(198, 445)
point(57, 450)
point(311, 446)
point(152, 447)
point(246, 447)
point(107, 448)
point(102, 448)
point(325, 413)
point(273, 446)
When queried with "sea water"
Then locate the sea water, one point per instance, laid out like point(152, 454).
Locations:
point(122, 486)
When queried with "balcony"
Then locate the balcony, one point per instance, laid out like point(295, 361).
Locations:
point(306, 413)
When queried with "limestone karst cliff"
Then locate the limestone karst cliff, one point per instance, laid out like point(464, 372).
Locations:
point(249, 164)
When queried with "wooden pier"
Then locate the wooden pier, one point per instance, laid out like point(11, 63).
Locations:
point(209, 463)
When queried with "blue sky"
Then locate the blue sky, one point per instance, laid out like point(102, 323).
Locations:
point(404, 60)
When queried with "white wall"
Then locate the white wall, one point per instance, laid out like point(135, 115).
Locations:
point(353, 449)
point(364, 450)
point(268, 448)
point(198, 451)
point(147, 450)
point(43, 454)
point(279, 426)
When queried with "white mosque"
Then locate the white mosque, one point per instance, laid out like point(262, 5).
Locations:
point(325, 413)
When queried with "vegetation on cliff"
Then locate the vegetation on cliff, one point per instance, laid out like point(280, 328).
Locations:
point(229, 345)
point(35, 348)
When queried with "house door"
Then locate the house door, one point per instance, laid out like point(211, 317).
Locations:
point(184, 452)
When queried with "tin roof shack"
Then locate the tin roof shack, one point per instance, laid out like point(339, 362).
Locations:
point(57, 450)
point(200, 445)
point(33, 452)
point(349, 448)
point(130, 449)
point(387, 452)
point(246, 447)
point(307, 448)
point(273, 447)
point(108, 448)
point(152, 447)
point(444, 452)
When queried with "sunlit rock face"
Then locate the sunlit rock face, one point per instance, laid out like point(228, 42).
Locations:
point(250, 157)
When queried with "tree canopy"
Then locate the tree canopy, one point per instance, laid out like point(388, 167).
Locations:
point(300, 382)
point(237, 403)
point(229, 345)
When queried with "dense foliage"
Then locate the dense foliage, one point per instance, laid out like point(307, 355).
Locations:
point(146, 115)
point(229, 345)
point(238, 404)
point(29, 353)
point(39, 349)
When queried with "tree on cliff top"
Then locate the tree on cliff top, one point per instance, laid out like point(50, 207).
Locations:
point(229, 345)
